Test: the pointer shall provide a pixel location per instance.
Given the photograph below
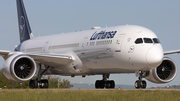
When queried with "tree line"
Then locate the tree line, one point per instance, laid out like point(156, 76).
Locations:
point(54, 82)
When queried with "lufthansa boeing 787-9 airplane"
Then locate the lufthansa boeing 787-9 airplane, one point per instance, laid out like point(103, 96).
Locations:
point(99, 51)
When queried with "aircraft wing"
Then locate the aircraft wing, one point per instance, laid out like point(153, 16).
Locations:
point(54, 60)
point(171, 52)
point(4, 53)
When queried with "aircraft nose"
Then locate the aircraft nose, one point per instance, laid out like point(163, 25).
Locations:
point(154, 56)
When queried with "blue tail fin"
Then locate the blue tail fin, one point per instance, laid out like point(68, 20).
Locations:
point(25, 32)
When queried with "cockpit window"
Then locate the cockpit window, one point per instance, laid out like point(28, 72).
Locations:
point(138, 41)
point(156, 40)
point(148, 40)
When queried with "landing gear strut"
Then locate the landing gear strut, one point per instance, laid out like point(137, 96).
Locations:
point(140, 83)
point(104, 83)
point(38, 82)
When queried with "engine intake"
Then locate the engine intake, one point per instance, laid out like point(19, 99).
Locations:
point(164, 73)
point(19, 68)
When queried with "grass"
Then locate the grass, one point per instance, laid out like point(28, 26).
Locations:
point(88, 95)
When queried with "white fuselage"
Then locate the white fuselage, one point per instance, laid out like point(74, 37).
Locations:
point(101, 51)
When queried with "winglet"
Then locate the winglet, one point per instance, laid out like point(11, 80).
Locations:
point(25, 32)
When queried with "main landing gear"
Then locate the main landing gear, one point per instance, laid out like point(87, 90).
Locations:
point(104, 83)
point(140, 83)
point(38, 82)
point(41, 83)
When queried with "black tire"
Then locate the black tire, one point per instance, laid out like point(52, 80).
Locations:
point(108, 84)
point(97, 84)
point(44, 84)
point(144, 84)
point(41, 86)
point(137, 84)
point(112, 84)
point(30, 84)
point(102, 84)
point(33, 84)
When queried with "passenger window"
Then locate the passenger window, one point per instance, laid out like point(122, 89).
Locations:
point(138, 41)
point(156, 40)
point(148, 40)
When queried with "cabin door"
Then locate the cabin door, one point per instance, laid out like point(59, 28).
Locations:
point(85, 43)
point(119, 42)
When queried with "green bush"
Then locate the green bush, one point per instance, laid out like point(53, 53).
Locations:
point(53, 82)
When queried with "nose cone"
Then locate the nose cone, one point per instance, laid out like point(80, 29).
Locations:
point(154, 56)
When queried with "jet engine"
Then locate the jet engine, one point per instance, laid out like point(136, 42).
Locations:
point(19, 67)
point(164, 73)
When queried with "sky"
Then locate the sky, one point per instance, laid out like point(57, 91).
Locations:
point(48, 17)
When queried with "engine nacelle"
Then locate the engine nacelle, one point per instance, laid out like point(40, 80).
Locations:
point(19, 67)
point(164, 73)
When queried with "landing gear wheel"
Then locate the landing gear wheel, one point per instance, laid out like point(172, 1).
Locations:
point(44, 84)
point(112, 84)
point(143, 84)
point(97, 84)
point(137, 84)
point(33, 84)
point(140, 83)
point(108, 84)
point(102, 84)
point(41, 86)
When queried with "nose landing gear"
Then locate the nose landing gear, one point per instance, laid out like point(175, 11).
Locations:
point(140, 84)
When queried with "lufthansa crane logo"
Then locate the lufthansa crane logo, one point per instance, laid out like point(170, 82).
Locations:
point(22, 27)
point(131, 49)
